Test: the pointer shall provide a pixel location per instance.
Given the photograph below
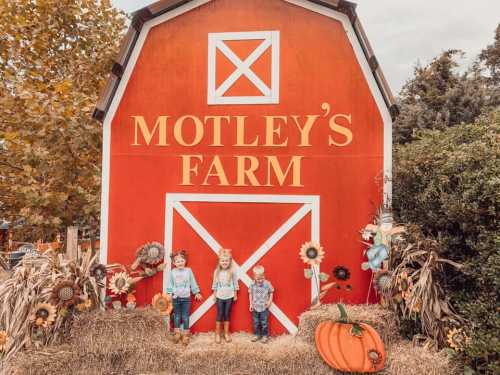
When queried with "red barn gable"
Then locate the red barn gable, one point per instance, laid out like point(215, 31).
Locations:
point(253, 125)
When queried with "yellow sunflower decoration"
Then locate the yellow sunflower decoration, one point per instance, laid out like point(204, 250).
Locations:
point(163, 303)
point(65, 293)
point(312, 253)
point(4, 340)
point(120, 283)
point(457, 339)
point(43, 315)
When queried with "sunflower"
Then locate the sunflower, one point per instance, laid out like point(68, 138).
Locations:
point(4, 340)
point(120, 283)
point(312, 253)
point(43, 315)
point(341, 273)
point(383, 281)
point(98, 271)
point(151, 253)
point(457, 339)
point(66, 293)
point(163, 303)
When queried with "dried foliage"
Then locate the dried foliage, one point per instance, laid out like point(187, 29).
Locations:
point(415, 293)
point(26, 297)
point(135, 342)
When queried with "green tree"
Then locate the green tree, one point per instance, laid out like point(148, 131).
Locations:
point(54, 58)
point(438, 97)
point(490, 57)
point(448, 182)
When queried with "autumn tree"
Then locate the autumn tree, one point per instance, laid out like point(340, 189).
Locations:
point(490, 57)
point(54, 58)
point(438, 97)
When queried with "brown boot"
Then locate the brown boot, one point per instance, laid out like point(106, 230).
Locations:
point(217, 332)
point(185, 337)
point(227, 337)
point(177, 335)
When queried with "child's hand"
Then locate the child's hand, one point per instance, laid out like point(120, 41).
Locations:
point(198, 297)
point(268, 305)
point(251, 308)
point(235, 297)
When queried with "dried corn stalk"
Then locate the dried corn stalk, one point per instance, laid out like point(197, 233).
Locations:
point(415, 293)
point(32, 283)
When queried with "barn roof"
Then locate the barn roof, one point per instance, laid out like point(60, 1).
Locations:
point(158, 8)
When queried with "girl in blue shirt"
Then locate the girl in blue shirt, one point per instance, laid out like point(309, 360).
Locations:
point(180, 286)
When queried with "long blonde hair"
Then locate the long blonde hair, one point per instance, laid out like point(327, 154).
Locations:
point(224, 253)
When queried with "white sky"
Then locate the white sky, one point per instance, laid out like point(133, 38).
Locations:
point(403, 32)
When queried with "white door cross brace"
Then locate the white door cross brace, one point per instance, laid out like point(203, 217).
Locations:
point(216, 41)
point(310, 204)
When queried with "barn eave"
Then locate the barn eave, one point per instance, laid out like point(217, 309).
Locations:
point(140, 17)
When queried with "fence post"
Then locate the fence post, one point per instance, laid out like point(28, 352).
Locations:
point(72, 243)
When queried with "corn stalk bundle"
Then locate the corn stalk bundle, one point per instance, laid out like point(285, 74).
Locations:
point(64, 287)
point(415, 267)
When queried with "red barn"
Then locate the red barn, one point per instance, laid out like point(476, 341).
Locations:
point(254, 125)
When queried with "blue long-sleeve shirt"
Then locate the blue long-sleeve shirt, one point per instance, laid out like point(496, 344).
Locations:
point(182, 283)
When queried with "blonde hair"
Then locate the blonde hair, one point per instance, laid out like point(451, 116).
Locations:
point(258, 270)
point(224, 253)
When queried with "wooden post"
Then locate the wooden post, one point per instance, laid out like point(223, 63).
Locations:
point(72, 243)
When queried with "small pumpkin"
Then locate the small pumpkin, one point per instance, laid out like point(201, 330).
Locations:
point(350, 346)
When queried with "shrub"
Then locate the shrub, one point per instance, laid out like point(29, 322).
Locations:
point(448, 182)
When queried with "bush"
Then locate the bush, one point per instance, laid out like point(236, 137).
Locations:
point(448, 182)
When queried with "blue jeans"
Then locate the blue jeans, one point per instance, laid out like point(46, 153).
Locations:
point(261, 322)
point(181, 312)
point(223, 309)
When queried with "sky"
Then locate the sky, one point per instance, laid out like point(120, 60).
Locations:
point(405, 32)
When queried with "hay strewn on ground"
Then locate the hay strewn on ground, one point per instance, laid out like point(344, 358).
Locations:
point(135, 342)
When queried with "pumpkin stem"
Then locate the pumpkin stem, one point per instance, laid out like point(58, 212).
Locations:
point(343, 314)
point(356, 330)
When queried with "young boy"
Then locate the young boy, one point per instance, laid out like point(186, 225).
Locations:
point(261, 296)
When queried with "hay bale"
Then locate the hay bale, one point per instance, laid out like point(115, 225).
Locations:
point(282, 355)
point(135, 342)
point(404, 358)
point(51, 360)
point(379, 318)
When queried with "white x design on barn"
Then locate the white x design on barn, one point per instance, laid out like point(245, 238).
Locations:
point(310, 203)
point(216, 41)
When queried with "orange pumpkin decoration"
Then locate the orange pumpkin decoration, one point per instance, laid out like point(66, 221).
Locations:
point(350, 346)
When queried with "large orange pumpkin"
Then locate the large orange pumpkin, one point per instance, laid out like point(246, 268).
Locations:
point(350, 346)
